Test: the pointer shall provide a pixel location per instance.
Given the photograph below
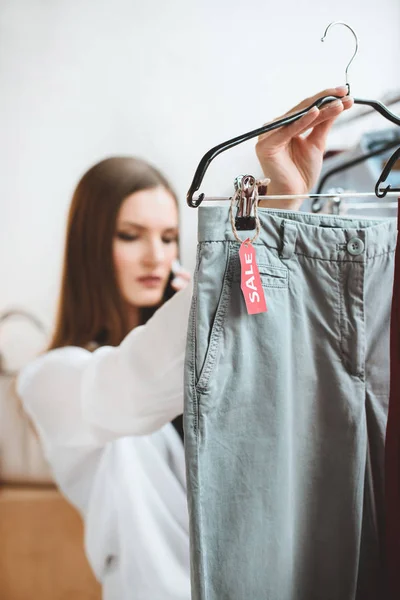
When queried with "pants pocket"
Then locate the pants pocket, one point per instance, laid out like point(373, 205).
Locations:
point(214, 278)
point(271, 275)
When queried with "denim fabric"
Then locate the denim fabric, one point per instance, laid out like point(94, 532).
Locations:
point(285, 411)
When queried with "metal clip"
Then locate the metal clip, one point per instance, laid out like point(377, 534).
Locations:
point(336, 205)
point(245, 189)
point(333, 203)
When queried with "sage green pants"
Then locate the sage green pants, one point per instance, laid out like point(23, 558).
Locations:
point(285, 411)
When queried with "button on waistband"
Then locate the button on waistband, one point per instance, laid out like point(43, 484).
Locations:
point(355, 246)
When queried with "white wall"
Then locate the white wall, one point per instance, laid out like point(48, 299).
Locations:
point(84, 79)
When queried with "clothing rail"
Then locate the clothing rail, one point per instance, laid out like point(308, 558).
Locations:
point(306, 196)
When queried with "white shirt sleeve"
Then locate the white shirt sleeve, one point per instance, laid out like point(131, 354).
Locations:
point(78, 398)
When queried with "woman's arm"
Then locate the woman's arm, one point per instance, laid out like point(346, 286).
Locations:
point(144, 374)
point(81, 399)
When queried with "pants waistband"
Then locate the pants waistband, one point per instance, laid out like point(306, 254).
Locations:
point(324, 237)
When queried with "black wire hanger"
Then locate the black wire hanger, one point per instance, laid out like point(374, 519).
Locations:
point(348, 164)
point(214, 152)
point(381, 192)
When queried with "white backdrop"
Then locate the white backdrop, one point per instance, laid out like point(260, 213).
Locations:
point(84, 79)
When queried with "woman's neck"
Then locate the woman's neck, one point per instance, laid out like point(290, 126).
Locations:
point(133, 317)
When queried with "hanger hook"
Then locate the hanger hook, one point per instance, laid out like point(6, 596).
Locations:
point(355, 52)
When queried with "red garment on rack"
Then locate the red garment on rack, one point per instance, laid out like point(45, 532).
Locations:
point(392, 448)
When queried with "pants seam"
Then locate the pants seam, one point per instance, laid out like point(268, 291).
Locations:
point(217, 328)
point(341, 314)
point(196, 430)
point(194, 343)
point(362, 336)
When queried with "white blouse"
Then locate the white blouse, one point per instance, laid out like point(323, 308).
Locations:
point(104, 422)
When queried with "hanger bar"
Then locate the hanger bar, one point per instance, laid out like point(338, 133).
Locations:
point(300, 196)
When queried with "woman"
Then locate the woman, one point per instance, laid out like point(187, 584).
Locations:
point(104, 416)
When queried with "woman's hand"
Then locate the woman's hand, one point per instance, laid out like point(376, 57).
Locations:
point(182, 277)
point(293, 162)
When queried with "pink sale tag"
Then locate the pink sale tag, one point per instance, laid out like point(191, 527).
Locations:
point(251, 285)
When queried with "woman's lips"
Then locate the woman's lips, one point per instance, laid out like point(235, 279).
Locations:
point(150, 281)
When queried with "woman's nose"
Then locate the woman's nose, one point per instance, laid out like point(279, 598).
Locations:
point(154, 252)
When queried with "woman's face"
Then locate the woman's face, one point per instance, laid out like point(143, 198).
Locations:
point(145, 245)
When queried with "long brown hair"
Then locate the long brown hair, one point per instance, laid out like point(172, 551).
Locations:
point(91, 308)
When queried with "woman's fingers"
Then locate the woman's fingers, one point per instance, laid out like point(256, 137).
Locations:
point(179, 283)
point(184, 274)
point(311, 119)
point(328, 115)
point(338, 91)
point(181, 279)
point(333, 110)
point(281, 136)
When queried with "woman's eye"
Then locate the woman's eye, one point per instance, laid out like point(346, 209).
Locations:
point(170, 240)
point(126, 237)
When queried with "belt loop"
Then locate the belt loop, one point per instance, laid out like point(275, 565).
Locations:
point(289, 237)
